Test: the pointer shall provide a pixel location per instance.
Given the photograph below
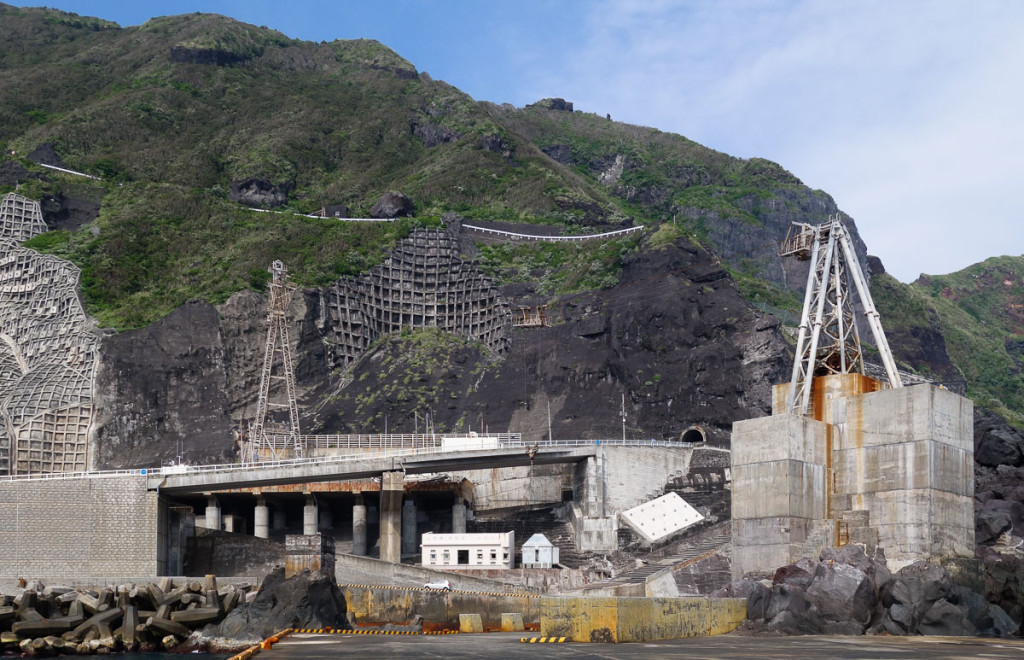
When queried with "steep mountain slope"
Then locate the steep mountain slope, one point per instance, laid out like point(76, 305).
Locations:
point(191, 120)
point(966, 327)
point(185, 113)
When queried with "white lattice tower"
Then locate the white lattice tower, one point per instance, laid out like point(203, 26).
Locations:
point(828, 341)
point(277, 351)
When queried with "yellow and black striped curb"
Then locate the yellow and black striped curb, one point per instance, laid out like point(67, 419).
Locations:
point(363, 631)
point(453, 591)
point(543, 640)
point(264, 645)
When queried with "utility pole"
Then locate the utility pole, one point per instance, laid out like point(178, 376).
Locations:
point(622, 413)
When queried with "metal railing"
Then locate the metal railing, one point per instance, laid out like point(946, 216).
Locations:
point(512, 442)
point(539, 237)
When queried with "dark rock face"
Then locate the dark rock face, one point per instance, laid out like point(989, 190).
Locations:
point(559, 152)
point(45, 154)
point(558, 104)
point(259, 193)
point(70, 213)
point(1004, 581)
point(213, 56)
point(12, 173)
point(675, 337)
point(995, 441)
point(162, 386)
point(392, 205)
point(994, 517)
point(496, 145)
point(308, 600)
point(434, 134)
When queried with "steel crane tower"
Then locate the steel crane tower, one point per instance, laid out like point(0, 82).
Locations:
point(828, 341)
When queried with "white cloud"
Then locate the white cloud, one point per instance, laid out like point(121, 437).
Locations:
point(908, 113)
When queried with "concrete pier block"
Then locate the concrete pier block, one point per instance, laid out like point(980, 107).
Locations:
point(512, 622)
point(410, 539)
point(459, 518)
point(212, 514)
point(309, 516)
point(359, 527)
point(261, 526)
point(470, 623)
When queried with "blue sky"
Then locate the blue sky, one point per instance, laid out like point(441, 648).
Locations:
point(910, 113)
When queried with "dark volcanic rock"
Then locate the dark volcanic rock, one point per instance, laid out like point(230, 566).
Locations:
point(559, 152)
point(799, 574)
point(842, 593)
point(308, 600)
point(434, 134)
point(392, 205)
point(46, 154)
point(70, 213)
point(945, 618)
point(995, 441)
point(911, 593)
point(12, 173)
point(259, 193)
point(214, 56)
point(993, 517)
point(558, 104)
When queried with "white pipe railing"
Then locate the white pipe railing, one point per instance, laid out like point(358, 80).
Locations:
point(174, 470)
point(539, 237)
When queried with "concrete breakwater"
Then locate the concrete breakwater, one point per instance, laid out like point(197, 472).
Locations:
point(50, 620)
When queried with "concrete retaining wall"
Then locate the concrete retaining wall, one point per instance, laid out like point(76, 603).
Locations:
point(639, 619)
point(350, 569)
point(56, 529)
point(381, 605)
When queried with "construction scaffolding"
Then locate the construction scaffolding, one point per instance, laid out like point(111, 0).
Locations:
point(272, 438)
point(47, 352)
point(828, 341)
point(531, 317)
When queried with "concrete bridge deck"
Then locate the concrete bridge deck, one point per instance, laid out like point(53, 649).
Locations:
point(199, 479)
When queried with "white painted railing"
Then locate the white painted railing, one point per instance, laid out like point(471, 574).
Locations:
point(174, 470)
point(539, 237)
point(67, 171)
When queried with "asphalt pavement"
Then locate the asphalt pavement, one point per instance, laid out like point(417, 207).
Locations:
point(508, 645)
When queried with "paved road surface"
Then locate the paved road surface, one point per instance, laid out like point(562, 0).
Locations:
point(500, 646)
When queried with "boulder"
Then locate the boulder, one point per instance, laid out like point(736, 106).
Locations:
point(307, 600)
point(995, 441)
point(842, 593)
point(799, 574)
point(259, 193)
point(994, 517)
point(911, 593)
point(945, 618)
point(392, 205)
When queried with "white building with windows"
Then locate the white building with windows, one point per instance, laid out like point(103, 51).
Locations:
point(468, 551)
point(539, 552)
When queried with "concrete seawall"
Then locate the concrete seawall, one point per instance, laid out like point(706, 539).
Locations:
point(639, 619)
point(381, 605)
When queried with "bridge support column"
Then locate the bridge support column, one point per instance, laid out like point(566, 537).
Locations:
point(280, 522)
point(261, 528)
point(359, 526)
point(212, 513)
point(309, 516)
point(392, 485)
point(459, 517)
point(410, 539)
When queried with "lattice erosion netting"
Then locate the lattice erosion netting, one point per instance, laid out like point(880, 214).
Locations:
point(47, 352)
point(423, 284)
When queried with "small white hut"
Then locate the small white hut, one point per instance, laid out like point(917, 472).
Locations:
point(539, 552)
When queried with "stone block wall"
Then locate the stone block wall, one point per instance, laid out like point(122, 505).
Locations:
point(55, 529)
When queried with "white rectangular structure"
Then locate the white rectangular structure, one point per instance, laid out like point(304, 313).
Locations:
point(471, 441)
point(468, 551)
point(660, 518)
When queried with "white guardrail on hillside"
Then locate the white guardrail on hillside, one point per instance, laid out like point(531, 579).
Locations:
point(386, 452)
point(539, 237)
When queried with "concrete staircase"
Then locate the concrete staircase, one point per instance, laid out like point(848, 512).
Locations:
point(527, 523)
point(710, 540)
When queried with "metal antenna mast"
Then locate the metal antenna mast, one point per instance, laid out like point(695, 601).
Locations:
point(828, 341)
point(278, 349)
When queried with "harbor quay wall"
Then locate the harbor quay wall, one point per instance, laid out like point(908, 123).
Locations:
point(377, 604)
point(630, 619)
point(80, 528)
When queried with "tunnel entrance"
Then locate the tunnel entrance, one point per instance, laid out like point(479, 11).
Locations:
point(693, 434)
